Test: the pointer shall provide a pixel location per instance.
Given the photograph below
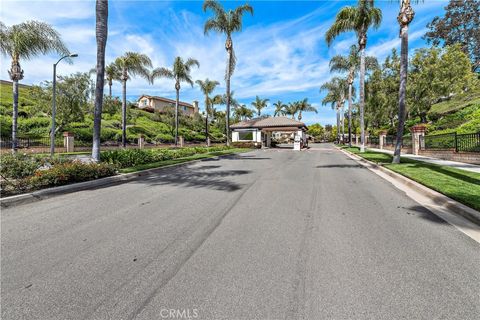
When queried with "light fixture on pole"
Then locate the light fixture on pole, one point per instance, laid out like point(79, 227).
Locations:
point(54, 102)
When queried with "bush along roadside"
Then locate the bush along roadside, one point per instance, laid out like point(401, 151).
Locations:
point(21, 173)
point(134, 157)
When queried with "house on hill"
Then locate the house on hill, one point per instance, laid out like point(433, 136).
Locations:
point(160, 104)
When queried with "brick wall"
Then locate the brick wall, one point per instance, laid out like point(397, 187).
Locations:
point(466, 157)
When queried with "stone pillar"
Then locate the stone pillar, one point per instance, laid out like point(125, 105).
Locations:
point(181, 141)
point(356, 139)
point(68, 141)
point(366, 139)
point(195, 106)
point(208, 141)
point(141, 141)
point(381, 137)
point(417, 132)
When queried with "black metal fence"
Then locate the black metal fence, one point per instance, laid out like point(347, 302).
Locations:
point(27, 142)
point(469, 142)
point(391, 141)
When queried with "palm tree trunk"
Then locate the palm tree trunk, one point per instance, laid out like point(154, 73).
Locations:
point(404, 18)
point(350, 114)
point(362, 98)
point(101, 33)
point(15, 116)
point(206, 121)
point(228, 97)
point(124, 113)
point(176, 114)
point(110, 89)
point(338, 125)
point(343, 122)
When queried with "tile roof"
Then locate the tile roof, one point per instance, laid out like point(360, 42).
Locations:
point(268, 122)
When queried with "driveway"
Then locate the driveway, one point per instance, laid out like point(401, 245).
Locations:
point(272, 234)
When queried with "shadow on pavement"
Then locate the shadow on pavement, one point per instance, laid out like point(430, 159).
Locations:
point(424, 213)
point(195, 177)
point(340, 166)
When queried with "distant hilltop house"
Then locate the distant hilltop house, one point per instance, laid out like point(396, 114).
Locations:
point(160, 104)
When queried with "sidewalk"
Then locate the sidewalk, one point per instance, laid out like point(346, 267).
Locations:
point(453, 164)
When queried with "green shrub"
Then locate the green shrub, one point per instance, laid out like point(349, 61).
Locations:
point(18, 166)
point(247, 144)
point(165, 138)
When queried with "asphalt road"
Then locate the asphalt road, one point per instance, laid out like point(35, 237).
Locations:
point(273, 234)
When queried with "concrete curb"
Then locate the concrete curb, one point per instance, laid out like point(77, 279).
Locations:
point(79, 186)
point(440, 199)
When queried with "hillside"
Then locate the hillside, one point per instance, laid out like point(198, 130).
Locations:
point(155, 127)
point(460, 114)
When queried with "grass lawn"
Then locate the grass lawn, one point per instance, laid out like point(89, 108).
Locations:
point(461, 185)
point(181, 160)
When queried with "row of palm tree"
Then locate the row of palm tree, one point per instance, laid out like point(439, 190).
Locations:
point(359, 19)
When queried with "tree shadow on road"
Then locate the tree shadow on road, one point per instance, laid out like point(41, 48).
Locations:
point(339, 166)
point(424, 213)
point(195, 177)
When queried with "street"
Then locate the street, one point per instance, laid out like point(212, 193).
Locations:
point(268, 234)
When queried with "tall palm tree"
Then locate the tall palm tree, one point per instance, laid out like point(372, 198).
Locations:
point(207, 86)
point(180, 73)
point(259, 104)
point(305, 106)
point(226, 22)
point(24, 41)
point(351, 64)
point(101, 30)
point(357, 19)
point(131, 64)
point(405, 16)
point(112, 73)
point(336, 90)
point(279, 108)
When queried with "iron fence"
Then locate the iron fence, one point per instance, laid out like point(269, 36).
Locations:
point(469, 142)
point(392, 140)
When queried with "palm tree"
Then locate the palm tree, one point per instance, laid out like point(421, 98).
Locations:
point(351, 64)
point(207, 88)
point(291, 109)
point(259, 104)
point(305, 106)
point(101, 30)
point(112, 73)
point(242, 112)
point(226, 22)
point(357, 19)
point(279, 108)
point(180, 73)
point(336, 91)
point(405, 16)
point(26, 40)
point(131, 64)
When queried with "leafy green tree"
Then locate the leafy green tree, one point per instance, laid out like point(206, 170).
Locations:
point(131, 64)
point(351, 64)
point(459, 25)
point(101, 32)
point(316, 131)
point(260, 104)
point(226, 22)
point(22, 42)
point(357, 19)
point(279, 108)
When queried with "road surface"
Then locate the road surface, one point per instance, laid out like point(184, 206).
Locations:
point(272, 234)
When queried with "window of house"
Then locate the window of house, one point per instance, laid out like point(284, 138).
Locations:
point(245, 135)
point(184, 108)
point(144, 102)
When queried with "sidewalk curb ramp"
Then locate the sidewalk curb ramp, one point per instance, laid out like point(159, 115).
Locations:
point(440, 199)
point(86, 185)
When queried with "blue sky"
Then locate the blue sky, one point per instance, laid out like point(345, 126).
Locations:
point(281, 52)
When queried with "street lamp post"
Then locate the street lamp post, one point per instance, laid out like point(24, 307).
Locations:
point(54, 102)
